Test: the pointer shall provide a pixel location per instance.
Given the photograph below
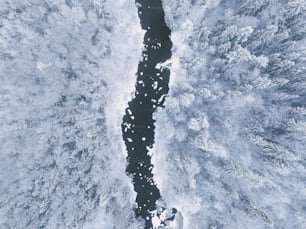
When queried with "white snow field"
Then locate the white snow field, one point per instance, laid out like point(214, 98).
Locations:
point(67, 71)
point(230, 144)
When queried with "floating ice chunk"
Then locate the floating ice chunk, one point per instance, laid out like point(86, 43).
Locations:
point(155, 85)
point(163, 65)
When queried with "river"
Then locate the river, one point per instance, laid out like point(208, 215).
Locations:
point(151, 90)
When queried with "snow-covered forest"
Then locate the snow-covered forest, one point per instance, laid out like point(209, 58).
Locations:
point(67, 70)
point(231, 140)
point(230, 144)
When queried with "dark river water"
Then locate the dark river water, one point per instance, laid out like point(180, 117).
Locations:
point(151, 89)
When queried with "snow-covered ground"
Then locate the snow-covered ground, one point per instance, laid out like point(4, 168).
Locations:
point(67, 71)
point(230, 145)
point(231, 142)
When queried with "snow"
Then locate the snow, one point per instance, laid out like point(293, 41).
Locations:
point(230, 144)
point(67, 72)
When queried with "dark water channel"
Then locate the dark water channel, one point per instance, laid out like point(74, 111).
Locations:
point(151, 89)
